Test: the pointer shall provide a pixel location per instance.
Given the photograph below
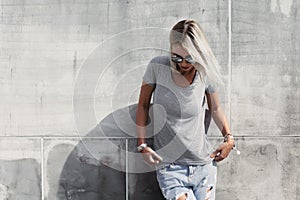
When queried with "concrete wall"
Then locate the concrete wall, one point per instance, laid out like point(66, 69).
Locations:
point(67, 66)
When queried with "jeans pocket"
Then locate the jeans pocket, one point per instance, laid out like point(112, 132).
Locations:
point(214, 163)
point(162, 168)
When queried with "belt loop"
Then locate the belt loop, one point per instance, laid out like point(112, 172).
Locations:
point(191, 170)
point(172, 165)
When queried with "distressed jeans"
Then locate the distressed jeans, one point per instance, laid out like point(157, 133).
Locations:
point(197, 181)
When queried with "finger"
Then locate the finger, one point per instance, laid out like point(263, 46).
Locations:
point(215, 153)
point(148, 156)
point(156, 156)
point(152, 161)
point(219, 158)
point(149, 163)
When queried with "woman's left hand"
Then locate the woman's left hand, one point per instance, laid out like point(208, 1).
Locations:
point(223, 151)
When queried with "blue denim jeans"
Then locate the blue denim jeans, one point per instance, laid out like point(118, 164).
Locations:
point(198, 182)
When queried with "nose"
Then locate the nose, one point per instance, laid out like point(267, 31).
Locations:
point(183, 63)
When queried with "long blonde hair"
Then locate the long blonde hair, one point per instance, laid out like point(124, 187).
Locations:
point(190, 35)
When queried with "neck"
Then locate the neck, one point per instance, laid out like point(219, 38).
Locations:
point(190, 75)
point(187, 75)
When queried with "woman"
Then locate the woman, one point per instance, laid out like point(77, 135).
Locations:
point(179, 85)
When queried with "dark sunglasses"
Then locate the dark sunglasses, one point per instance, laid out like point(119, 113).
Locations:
point(178, 59)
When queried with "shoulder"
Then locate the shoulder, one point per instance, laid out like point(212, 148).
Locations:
point(160, 64)
point(211, 86)
point(157, 68)
point(160, 60)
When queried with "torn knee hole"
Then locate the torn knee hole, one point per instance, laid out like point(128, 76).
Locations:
point(183, 197)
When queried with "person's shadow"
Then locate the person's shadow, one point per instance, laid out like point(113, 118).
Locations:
point(96, 168)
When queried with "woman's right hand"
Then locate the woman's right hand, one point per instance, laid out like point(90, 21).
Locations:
point(150, 156)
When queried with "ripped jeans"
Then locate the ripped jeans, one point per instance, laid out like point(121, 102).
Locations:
point(198, 182)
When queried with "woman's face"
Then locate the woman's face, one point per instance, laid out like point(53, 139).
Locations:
point(178, 50)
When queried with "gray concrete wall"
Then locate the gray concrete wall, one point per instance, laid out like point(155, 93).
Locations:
point(68, 66)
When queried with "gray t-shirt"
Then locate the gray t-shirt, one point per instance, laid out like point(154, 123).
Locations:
point(178, 115)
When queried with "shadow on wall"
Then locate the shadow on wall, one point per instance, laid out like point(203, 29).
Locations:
point(95, 168)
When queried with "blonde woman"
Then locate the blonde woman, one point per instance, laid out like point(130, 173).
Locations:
point(179, 84)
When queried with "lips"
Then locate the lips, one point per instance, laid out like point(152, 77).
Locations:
point(184, 67)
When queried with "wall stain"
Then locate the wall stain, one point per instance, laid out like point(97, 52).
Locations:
point(41, 100)
point(282, 6)
point(107, 16)
point(4, 191)
point(74, 65)
point(262, 155)
point(2, 11)
point(10, 123)
point(11, 68)
point(11, 74)
point(218, 16)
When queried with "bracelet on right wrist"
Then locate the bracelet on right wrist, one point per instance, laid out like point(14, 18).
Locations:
point(141, 147)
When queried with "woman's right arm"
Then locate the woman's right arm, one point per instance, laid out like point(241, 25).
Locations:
point(143, 111)
point(141, 122)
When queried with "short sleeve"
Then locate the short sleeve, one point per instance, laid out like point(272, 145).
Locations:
point(150, 76)
point(211, 86)
point(154, 69)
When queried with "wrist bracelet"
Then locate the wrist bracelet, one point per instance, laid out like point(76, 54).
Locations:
point(227, 136)
point(141, 147)
point(234, 145)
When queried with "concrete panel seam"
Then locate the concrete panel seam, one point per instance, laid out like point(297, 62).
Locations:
point(126, 170)
point(229, 57)
point(42, 168)
point(66, 137)
point(258, 137)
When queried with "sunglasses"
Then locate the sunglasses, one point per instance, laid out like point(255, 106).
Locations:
point(178, 59)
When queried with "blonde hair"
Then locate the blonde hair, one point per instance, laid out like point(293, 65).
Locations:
point(190, 36)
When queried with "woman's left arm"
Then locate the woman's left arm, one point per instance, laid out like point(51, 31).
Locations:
point(220, 119)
